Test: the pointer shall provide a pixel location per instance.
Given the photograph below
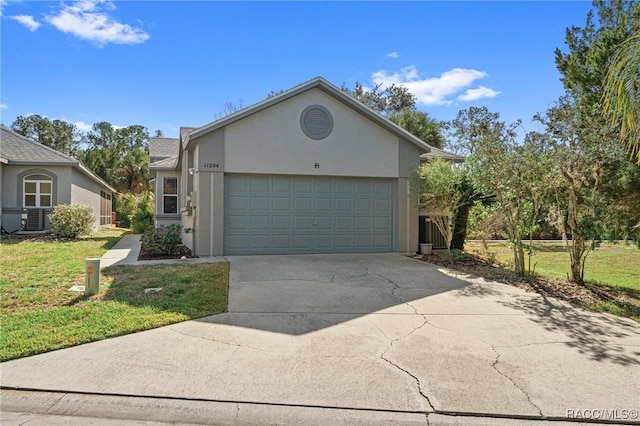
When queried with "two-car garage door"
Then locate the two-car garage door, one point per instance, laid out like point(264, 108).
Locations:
point(307, 214)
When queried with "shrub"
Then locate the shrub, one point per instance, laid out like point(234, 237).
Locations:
point(162, 241)
point(72, 220)
point(142, 218)
point(124, 205)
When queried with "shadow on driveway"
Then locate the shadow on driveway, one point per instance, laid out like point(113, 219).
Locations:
point(296, 295)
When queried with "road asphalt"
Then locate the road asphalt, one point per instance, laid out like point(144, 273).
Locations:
point(346, 339)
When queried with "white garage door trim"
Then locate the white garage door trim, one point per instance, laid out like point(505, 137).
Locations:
point(280, 214)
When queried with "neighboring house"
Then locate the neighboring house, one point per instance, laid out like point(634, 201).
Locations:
point(310, 170)
point(34, 178)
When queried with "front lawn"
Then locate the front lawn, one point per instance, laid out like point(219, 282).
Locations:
point(39, 314)
point(614, 265)
point(612, 275)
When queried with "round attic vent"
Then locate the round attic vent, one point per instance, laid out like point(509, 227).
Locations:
point(316, 122)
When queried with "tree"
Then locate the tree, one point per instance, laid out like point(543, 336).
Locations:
point(57, 134)
point(591, 47)
point(120, 156)
point(388, 101)
point(466, 130)
point(500, 166)
point(621, 93)
point(435, 185)
point(584, 183)
point(419, 124)
point(595, 181)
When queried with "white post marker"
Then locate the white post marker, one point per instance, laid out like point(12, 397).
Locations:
point(92, 274)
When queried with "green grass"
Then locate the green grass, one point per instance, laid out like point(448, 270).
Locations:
point(612, 265)
point(39, 314)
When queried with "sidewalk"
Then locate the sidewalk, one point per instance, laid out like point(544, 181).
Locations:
point(126, 252)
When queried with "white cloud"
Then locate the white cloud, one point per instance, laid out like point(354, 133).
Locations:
point(82, 126)
point(393, 55)
point(28, 21)
point(3, 106)
point(435, 90)
point(87, 20)
point(479, 93)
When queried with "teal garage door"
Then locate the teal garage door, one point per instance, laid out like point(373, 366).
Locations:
point(306, 214)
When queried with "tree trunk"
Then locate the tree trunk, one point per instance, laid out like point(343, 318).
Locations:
point(518, 259)
point(460, 227)
point(577, 252)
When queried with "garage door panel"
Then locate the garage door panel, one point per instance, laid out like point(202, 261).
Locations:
point(281, 184)
point(363, 205)
point(302, 204)
point(259, 184)
point(281, 241)
point(302, 185)
point(281, 223)
point(362, 241)
point(302, 223)
point(302, 214)
point(236, 222)
point(323, 186)
point(281, 203)
point(323, 204)
point(381, 206)
point(259, 223)
point(344, 205)
point(362, 222)
point(324, 242)
point(344, 223)
point(323, 223)
point(380, 223)
point(237, 202)
point(303, 241)
point(363, 187)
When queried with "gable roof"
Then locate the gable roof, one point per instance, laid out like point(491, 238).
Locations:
point(440, 153)
point(319, 83)
point(164, 153)
point(19, 149)
point(163, 147)
point(16, 149)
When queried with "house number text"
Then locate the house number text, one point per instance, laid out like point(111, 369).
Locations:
point(211, 165)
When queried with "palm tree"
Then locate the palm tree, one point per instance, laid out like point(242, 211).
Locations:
point(621, 95)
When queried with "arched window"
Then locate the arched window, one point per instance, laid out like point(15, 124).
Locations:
point(37, 190)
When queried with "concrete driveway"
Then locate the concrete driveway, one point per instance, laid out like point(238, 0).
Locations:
point(352, 339)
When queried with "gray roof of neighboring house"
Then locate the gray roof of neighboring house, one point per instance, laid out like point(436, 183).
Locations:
point(164, 153)
point(163, 147)
point(440, 153)
point(18, 150)
point(321, 84)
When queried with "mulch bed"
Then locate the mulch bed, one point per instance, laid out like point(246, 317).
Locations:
point(16, 238)
point(180, 250)
point(586, 294)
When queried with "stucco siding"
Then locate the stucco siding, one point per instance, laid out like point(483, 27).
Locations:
point(12, 191)
point(86, 192)
point(272, 142)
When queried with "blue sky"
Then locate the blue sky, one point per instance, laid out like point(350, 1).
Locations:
point(170, 64)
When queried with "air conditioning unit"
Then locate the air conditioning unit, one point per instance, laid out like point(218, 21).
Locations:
point(35, 219)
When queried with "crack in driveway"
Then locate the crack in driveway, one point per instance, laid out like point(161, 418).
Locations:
point(404, 370)
point(494, 366)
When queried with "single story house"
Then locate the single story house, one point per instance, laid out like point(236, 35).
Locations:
point(310, 170)
point(34, 178)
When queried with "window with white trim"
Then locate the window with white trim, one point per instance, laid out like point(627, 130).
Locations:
point(170, 195)
point(37, 190)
